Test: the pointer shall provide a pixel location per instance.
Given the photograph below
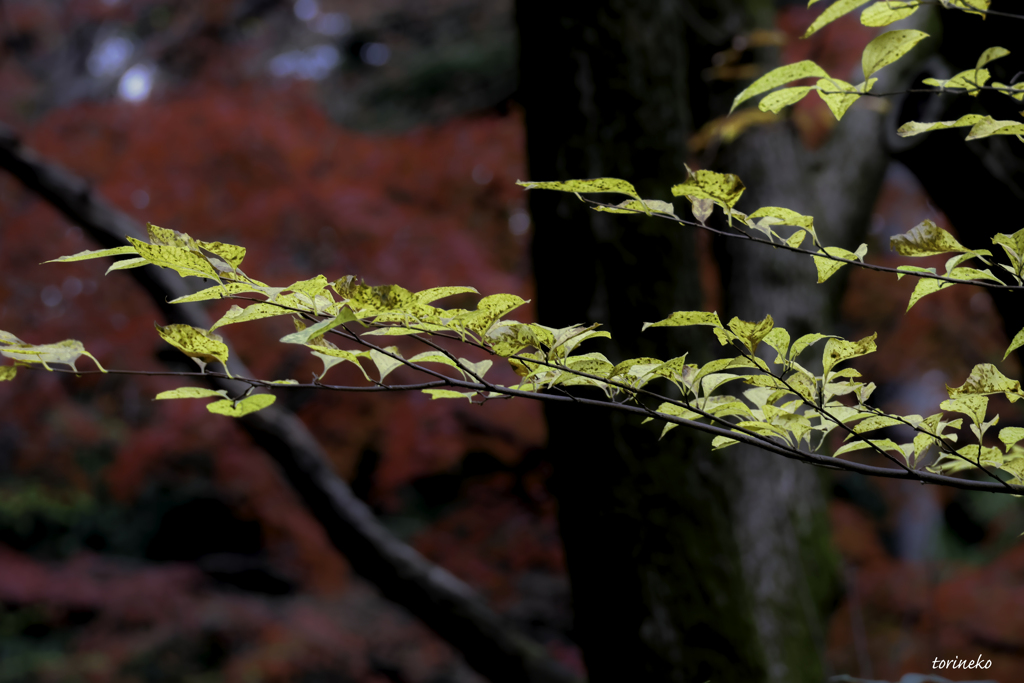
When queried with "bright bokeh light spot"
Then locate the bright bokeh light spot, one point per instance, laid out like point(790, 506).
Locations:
point(109, 56)
point(51, 296)
point(140, 199)
point(519, 223)
point(332, 24)
point(72, 287)
point(312, 64)
point(306, 10)
point(482, 175)
point(375, 54)
point(137, 83)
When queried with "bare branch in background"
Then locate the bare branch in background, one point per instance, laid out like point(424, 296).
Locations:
point(450, 607)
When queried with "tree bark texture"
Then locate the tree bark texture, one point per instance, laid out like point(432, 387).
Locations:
point(685, 566)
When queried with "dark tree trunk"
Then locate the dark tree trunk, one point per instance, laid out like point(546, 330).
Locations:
point(655, 531)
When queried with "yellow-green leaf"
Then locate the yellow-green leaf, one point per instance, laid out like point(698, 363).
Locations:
point(989, 126)
point(991, 54)
point(429, 296)
point(127, 263)
point(1016, 91)
point(7, 372)
point(1011, 435)
point(722, 188)
point(720, 442)
point(634, 206)
point(882, 444)
point(480, 368)
point(972, 405)
point(331, 357)
point(887, 12)
point(835, 10)
point(304, 335)
point(796, 239)
point(191, 392)
point(385, 363)
point(185, 262)
point(911, 128)
point(838, 95)
point(578, 186)
point(751, 332)
point(875, 422)
point(778, 339)
point(194, 342)
point(925, 239)
point(828, 267)
point(687, 318)
point(242, 407)
point(231, 253)
point(217, 292)
point(98, 253)
point(924, 287)
point(970, 80)
point(908, 270)
point(66, 352)
point(779, 76)
point(780, 99)
point(839, 350)
point(1018, 341)
point(888, 47)
point(449, 393)
point(985, 378)
point(968, 5)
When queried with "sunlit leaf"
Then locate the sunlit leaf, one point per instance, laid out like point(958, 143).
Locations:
point(916, 127)
point(779, 76)
point(839, 350)
point(449, 393)
point(989, 126)
point(972, 405)
point(780, 99)
point(217, 292)
point(751, 333)
point(1011, 435)
point(66, 352)
point(241, 407)
point(985, 378)
point(386, 363)
point(231, 253)
point(888, 47)
point(722, 188)
point(827, 267)
point(835, 10)
point(303, 336)
point(971, 80)
point(925, 239)
point(196, 343)
point(7, 372)
point(98, 253)
point(585, 186)
point(968, 5)
point(838, 95)
point(887, 12)
point(634, 206)
point(127, 264)
point(687, 318)
point(924, 287)
point(191, 392)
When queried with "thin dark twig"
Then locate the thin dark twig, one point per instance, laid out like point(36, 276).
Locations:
point(822, 254)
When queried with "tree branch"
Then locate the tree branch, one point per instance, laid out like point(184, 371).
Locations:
point(442, 601)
